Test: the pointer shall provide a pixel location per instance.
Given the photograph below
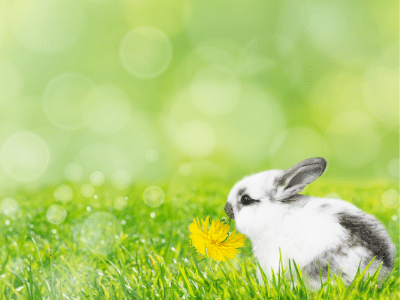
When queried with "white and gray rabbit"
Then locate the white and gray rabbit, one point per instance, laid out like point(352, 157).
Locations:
point(268, 209)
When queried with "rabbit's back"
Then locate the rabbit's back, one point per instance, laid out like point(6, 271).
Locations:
point(364, 238)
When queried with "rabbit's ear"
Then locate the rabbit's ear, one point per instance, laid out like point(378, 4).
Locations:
point(296, 178)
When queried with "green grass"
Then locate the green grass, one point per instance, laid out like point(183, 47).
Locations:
point(134, 256)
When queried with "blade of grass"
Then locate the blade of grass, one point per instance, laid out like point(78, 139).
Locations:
point(12, 288)
point(189, 287)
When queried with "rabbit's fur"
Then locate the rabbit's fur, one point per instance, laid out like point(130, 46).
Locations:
point(313, 231)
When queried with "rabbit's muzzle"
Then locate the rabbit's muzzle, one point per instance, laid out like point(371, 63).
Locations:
point(229, 210)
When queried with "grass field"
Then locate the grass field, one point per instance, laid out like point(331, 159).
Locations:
point(114, 246)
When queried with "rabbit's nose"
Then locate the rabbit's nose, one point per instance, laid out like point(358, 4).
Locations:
point(229, 210)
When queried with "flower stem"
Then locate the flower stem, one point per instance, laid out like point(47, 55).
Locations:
point(209, 264)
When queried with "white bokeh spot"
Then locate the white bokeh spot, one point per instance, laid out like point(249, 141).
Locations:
point(56, 214)
point(9, 206)
point(390, 199)
point(381, 91)
point(152, 155)
point(153, 196)
point(63, 193)
point(65, 98)
point(97, 178)
point(120, 203)
point(87, 190)
point(215, 89)
point(25, 156)
point(196, 138)
point(120, 179)
point(393, 167)
point(146, 52)
point(48, 26)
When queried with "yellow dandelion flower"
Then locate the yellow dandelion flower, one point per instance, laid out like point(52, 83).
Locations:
point(215, 239)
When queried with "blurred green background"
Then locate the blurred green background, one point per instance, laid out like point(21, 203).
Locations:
point(175, 90)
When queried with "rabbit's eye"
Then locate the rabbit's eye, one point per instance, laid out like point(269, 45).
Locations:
point(245, 199)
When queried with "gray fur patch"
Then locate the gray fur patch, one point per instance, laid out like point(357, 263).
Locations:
point(312, 269)
point(280, 181)
point(324, 206)
point(298, 201)
point(364, 230)
point(270, 195)
point(327, 260)
point(241, 191)
point(239, 205)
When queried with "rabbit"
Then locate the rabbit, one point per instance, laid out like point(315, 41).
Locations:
point(312, 231)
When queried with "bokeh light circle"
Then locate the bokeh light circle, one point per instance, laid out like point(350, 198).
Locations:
point(64, 100)
point(109, 111)
point(390, 199)
point(11, 83)
point(215, 89)
point(73, 172)
point(63, 193)
point(185, 169)
point(196, 138)
point(98, 232)
point(324, 24)
point(295, 144)
point(153, 196)
point(152, 155)
point(56, 214)
point(97, 178)
point(393, 167)
point(9, 206)
point(381, 90)
point(331, 28)
point(25, 156)
point(48, 26)
point(354, 139)
point(120, 179)
point(120, 203)
point(87, 190)
point(146, 52)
